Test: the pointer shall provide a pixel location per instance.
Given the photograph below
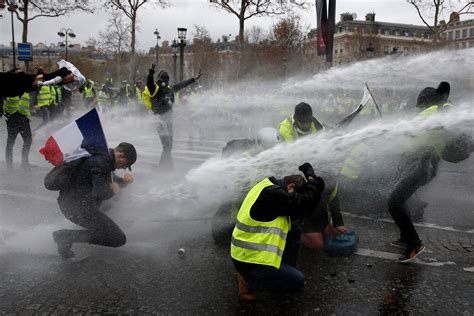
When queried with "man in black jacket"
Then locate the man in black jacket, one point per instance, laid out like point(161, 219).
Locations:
point(264, 245)
point(162, 97)
point(90, 184)
point(15, 84)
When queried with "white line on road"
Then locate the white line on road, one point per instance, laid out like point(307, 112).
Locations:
point(426, 225)
point(470, 269)
point(394, 257)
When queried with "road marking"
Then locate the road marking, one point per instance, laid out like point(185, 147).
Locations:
point(425, 225)
point(394, 257)
point(471, 269)
point(32, 196)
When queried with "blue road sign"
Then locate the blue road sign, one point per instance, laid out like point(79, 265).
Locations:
point(25, 51)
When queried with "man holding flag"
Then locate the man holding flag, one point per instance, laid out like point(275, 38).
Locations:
point(82, 145)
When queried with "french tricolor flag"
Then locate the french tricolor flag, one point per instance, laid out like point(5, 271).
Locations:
point(67, 144)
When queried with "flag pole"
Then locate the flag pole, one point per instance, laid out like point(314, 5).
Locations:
point(376, 105)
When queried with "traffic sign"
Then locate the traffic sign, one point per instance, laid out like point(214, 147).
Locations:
point(25, 51)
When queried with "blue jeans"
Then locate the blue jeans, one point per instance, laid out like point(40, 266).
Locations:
point(269, 278)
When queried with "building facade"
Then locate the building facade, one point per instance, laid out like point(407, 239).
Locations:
point(457, 34)
point(356, 40)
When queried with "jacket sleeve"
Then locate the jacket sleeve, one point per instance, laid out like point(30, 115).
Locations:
point(336, 212)
point(100, 178)
point(276, 201)
point(183, 84)
point(150, 83)
point(15, 84)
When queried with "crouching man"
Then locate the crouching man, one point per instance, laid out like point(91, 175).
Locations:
point(262, 246)
point(92, 182)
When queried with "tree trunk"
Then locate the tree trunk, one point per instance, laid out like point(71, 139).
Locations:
point(435, 26)
point(24, 35)
point(132, 46)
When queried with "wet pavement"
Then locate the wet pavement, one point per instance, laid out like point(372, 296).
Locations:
point(148, 276)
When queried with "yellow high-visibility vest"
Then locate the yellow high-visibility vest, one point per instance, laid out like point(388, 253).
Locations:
point(258, 242)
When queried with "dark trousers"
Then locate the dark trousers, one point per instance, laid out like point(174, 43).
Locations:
point(18, 124)
point(99, 228)
point(165, 131)
point(283, 279)
point(397, 203)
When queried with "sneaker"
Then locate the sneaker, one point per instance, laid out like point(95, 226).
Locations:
point(244, 293)
point(399, 243)
point(411, 252)
point(64, 246)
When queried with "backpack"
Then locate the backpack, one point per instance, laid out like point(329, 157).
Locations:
point(341, 245)
point(60, 176)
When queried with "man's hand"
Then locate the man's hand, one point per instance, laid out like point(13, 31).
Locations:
point(128, 178)
point(114, 187)
point(198, 75)
point(307, 170)
point(341, 229)
point(151, 71)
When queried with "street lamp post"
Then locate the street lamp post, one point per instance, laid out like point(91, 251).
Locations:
point(174, 46)
point(158, 37)
point(182, 44)
point(65, 33)
point(12, 7)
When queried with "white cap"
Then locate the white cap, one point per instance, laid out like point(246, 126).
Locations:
point(268, 137)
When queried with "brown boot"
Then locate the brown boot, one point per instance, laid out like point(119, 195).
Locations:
point(244, 293)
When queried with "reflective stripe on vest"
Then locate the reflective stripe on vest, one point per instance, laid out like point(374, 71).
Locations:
point(147, 96)
point(88, 93)
point(11, 104)
point(53, 95)
point(288, 130)
point(103, 98)
point(353, 164)
point(17, 104)
point(59, 95)
point(258, 242)
point(44, 96)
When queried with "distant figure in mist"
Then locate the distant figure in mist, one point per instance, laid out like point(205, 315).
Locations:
point(91, 183)
point(300, 124)
point(433, 145)
point(264, 248)
point(159, 97)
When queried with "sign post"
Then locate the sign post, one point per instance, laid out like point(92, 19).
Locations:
point(25, 51)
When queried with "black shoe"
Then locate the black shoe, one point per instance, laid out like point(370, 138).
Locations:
point(411, 252)
point(399, 243)
point(64, 246)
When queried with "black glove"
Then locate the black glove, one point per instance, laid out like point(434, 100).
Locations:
point(62, 72)
point(151, 71)
point(307, 170)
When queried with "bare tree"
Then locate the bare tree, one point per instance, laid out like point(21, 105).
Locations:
point(432, 11)
point(246, 9)
point(130, 9)
point(255, 35)
point(116, 40)
point(33, 9)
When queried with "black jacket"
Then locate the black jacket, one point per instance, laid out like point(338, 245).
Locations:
point(90, 183)
point(275, 201)
point(15, 84)
point(163, 101)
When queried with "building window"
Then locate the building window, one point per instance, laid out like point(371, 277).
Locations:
point(386, 32)
point(427, 35)
point(457, 34)
point(340, 29)
point(386, 49)
point(471, 44)
point(405, 49)
point(450, 35)
point(464, 33)
point(407, 34)
point(335, 51)
point(471, 32)
point(464, 44)
point(341, 50)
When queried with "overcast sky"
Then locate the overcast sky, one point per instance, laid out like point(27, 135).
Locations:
point(187, 13)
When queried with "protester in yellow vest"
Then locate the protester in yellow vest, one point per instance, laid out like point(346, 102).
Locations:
point(262, 241)
point(17, 113)
point(43, 102)
point(302, 123)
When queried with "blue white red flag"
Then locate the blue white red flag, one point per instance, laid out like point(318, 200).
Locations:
point(68, 143)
